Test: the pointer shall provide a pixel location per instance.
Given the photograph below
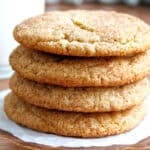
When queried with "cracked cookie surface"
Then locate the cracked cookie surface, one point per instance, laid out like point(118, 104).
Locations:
point(85, 33)
point(79, 72)
point(91, 99)
point(72, 124)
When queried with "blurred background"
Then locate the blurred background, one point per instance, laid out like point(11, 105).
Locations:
point(78, 2)
point(13, 12)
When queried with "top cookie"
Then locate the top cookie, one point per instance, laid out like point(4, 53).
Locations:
point(85, 33)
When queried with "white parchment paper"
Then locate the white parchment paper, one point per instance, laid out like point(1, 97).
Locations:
point(140, 132)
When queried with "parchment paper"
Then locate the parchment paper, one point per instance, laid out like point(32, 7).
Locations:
point(140, 132)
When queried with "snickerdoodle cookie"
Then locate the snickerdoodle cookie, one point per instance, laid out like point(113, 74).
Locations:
point(85, 33)
point(90, 99)
point(72, 124)
point(79, 72)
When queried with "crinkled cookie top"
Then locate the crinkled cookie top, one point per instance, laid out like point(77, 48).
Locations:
point(84, 33)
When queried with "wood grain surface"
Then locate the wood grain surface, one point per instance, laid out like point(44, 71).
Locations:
point(9, 142)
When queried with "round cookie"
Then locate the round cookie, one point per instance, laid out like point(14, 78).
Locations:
point(91, 99)
point(79, 72)
point(72, 124)
point(85, 33)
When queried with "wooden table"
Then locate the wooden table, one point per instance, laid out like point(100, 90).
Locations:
point(8, 142)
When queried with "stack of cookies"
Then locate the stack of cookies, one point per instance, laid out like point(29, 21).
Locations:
point(80, 73)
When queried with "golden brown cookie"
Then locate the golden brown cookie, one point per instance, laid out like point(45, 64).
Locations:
point(91, 99)
point(72, 124)
point(79, 72)
point(85, 33)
